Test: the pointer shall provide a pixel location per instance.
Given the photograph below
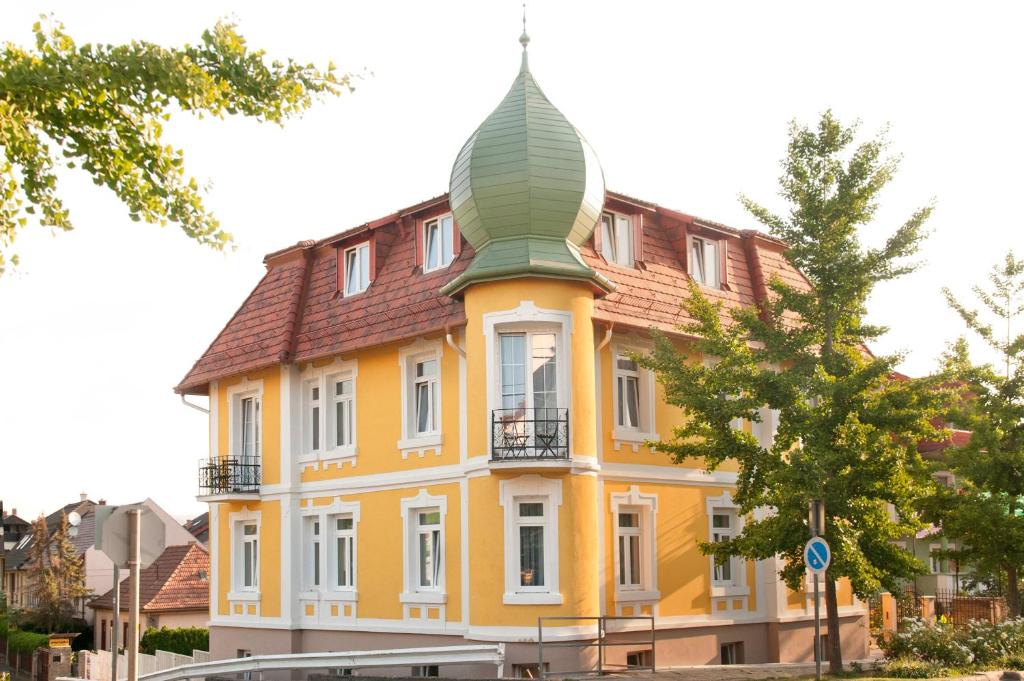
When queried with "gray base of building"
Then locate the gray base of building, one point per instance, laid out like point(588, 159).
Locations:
point(753, 643)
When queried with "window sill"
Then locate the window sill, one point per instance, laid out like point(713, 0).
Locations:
point(428, 597)
point(630, 596)
point(423, 442)
point(243, 595)
point(626, 435)
point(342, 596)
point(531, 598)
point(718, 590)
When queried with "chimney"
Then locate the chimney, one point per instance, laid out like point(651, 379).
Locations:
point(102, 502)
point(14, 511)
point(83, 497)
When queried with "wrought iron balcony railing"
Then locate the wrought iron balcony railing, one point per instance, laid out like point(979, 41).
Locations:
point(229, 475)
point(525, 434)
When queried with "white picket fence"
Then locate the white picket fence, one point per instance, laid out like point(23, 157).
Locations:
point(95, 665)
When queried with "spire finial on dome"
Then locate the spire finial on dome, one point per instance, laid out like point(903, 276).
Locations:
point(524, 39)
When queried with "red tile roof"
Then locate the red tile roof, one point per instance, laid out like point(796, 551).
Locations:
point(177, 580)
point(296, 314)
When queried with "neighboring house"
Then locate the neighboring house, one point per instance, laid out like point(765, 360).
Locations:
point(199, 527)
point(174, 591)
point(428, 429)
point(98, 567)
point(944, 574)
point(12, 530)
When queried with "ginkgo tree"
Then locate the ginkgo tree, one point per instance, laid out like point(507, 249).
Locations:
point(101, 108)
point(848, 425)
point(985, 509)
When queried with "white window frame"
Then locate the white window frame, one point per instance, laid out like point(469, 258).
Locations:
point(737, 586)
point(528, 317)
point(408, 357)
point(237, 522)
point(327, 516)
point(349, 536)
point(612, 242)
point(647, 429)
point(531, 488)
point(357, 286)
point(935, 564)
point(411, 508)
point(324, 379)
point(312, 553)
point(646, 505)
point(235, 394)
point(445, 257)
point(702, 278)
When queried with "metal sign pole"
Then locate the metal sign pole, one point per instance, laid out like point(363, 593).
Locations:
point(134, 543)
point(816, 531)
point(116, 624)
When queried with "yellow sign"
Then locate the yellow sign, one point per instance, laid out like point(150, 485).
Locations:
point(60, 642)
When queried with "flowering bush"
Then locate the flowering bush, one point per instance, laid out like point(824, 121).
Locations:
point(912, 669)
point(979, 644)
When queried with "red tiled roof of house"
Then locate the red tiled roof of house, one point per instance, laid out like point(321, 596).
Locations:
point(295, 313)
point(177, 580)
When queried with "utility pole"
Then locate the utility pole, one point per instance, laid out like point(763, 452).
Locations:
point(134, 559)
point(115, 634)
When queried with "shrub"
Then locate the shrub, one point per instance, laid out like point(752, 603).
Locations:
point(25, 641)
point(940, 644)
point(993, 644)
point(182, 641)
point(906, 668)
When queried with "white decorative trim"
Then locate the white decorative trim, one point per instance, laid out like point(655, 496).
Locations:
point(319, 460)
point(634, 438)
point(464, 543)
point(236, 593)
point(549, 491)
point(214, 543)
point(412, 596)
point(244, 388)
point(637, 473)
point(215, 420)
point(647, 505)
point(528, 317)
point(411, 443)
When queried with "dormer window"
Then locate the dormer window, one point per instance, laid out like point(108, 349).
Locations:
point(357, 269)
point(617, 239)
point(705, 262)
point(439, 241)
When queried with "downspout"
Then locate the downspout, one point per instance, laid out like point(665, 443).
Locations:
point(194, 406)
point(607, 337)
point(451, 342)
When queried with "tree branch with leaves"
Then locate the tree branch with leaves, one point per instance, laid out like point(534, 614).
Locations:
point(101, 108)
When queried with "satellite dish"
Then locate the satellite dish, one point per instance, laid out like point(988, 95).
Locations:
point(74, 519)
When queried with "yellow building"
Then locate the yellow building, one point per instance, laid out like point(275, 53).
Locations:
point(428, 429)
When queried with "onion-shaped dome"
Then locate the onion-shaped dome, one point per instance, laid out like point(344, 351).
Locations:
point(526, 191)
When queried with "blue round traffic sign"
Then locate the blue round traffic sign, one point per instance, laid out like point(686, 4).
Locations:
point(817, 555)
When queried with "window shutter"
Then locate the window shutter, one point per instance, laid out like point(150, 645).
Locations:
point(418, 224)
point(341, 269)
point(638, 237)
point(598, 231)
point(723, 252)
point(456, 238)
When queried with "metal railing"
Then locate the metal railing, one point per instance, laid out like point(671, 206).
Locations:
point(524, 434)
point(631, 636)
point(229, 475)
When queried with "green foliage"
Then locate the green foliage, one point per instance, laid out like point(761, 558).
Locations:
point(25, 641)
point(979, 645)
point(101, 108)
point(182, 640)
point(907, 668)
point(986, 510)
point(847, 429)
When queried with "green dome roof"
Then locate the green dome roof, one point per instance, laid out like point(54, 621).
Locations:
point(526, 191)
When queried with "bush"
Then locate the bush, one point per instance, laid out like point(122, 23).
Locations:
point(977, 645)
point(182, 641)
point(905, 668)
point(25, 641)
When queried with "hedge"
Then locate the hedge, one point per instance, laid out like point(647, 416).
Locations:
point(25, 641)
point(182, 641)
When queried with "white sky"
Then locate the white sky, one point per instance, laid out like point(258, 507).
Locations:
point(686, 104)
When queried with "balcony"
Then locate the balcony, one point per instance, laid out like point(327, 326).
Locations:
point(229, 478)
point(530, 434)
